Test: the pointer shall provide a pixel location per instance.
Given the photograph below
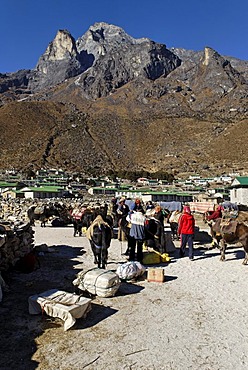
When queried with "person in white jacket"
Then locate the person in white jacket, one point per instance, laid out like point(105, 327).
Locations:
point(137, 235)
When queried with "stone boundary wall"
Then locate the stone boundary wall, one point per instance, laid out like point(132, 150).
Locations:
point(15, 242)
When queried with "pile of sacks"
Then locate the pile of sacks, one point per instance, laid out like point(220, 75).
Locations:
point(105, 283)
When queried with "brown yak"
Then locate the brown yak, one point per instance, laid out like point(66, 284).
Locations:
point(230, 232)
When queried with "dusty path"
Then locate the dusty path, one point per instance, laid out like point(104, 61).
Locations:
point(196, 319)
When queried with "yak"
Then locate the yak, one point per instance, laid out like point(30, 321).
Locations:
point(99, 234)
point(42, 213)
point(230, 232)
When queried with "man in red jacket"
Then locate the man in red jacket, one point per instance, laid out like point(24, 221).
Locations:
point(186, 229)
point(215, 214)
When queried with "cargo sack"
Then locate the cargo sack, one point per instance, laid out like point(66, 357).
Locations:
point(39, 210)
point(100, 282)
point(153, 258)
point(130, 270)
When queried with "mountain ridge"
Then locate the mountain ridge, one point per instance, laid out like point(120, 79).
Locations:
point(116, 98)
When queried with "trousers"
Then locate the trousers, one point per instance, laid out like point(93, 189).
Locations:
point(187, 239)
point(132, 244)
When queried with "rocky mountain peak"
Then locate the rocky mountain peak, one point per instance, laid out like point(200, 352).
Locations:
point(62, 47)
point(214, 78)
point(106, 34)
point(212, 58)
point(209, 54)
point(115, 57)
point(103, 37)
point(59, 62)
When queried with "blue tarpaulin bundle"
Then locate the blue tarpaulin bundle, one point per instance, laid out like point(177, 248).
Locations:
point(171, 206)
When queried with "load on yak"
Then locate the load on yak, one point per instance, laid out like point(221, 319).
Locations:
point(229, 226)
point(45, 211)
point(42, 213)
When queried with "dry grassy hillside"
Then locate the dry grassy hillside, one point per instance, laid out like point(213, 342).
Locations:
point(118, 131)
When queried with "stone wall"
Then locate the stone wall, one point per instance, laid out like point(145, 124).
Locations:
point(15, 242)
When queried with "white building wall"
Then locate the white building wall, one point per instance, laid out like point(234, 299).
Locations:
point(146, 198)
point(239, 196)
point(29, 194)
point(131, 195)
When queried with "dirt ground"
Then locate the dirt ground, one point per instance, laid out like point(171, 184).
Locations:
point(196, 319)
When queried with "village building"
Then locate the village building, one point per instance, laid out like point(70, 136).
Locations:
point(142, 181)
point(167, 196)
point(156, 196)
point(4, 185)
point(239, 190)
point(12, 193)
point(43, 192)
point(102, 191)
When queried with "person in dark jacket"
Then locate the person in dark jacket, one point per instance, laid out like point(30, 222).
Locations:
point(122, 212)
point(149, 205)
point(186, 229)
point(158, 214)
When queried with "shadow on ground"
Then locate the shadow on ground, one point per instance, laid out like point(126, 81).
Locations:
point(127, 288)
point(97, 314)
point(18, 328)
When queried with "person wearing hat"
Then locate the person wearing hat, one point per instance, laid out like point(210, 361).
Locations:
point(123, 208)
point(186, 229)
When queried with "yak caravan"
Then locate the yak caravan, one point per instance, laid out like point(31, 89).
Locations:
point(85, 281)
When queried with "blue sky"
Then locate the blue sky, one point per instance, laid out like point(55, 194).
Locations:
point(27, 26)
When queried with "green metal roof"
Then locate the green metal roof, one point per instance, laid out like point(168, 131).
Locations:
point(5, 184)
point(166, 193)
point(243, 180)
point(43, 189)
point(104, 189)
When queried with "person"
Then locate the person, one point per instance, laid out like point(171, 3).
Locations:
point(158, 214)
point(137, 235)
point(122, 209)
point(122, 212)
point(113, 206)
point(138, 206)
point(154, 235)
point(186, 229)
point(215, 214)
point(173, 221)
point(149, 205)
point(112, 211)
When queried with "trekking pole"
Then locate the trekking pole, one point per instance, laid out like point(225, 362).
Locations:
point(121, 247)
